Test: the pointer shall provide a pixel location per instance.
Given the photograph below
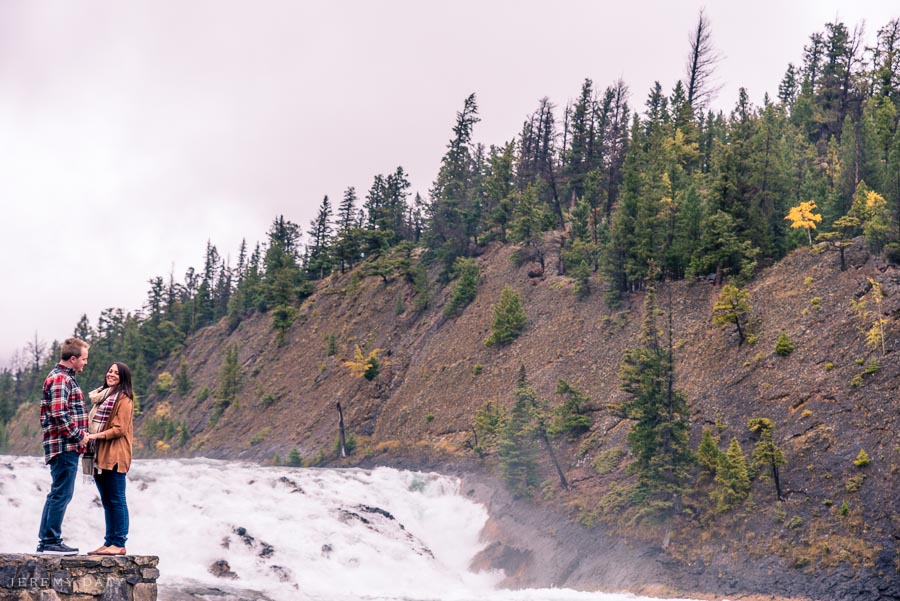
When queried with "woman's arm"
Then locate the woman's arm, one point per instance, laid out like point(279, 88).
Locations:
point(120, 422)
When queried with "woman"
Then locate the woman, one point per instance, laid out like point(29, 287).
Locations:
point(110, 429)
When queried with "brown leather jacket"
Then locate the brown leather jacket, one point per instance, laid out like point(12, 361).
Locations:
point(115, 442)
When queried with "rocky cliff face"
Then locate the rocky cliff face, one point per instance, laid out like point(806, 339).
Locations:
point(827, 399)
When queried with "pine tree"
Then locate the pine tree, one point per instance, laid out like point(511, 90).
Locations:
point(708, 452)
point(318, 264)
point(658, 437)
point(766, 453)
point(490, 421)
point(515, 450)
point(182, 380)
point(570, 418)
point(733, 308)
point(732, 478)
point(282, 271)
point(451, 194)
point(466, 287)
point(229, 380)
point(509, 318)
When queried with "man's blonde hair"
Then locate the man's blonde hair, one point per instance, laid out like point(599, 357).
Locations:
point(72, 347)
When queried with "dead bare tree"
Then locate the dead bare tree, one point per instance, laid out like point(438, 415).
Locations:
point(701, 65)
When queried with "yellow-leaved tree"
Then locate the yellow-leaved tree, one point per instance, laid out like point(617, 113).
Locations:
point(364, 366)
point(802, 216)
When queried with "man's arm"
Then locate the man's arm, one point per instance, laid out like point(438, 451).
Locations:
point(59, 411)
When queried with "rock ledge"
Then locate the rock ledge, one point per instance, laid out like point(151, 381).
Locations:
point(37, 577)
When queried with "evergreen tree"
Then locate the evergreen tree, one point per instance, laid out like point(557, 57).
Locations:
point(578, 157)
point(708, 453)
point(537, 148)
point(318, 264)
point(515, 450)
point(571, 417)
point(658, 437)
point(733, 307)
point(183, 382)
point(732, 478)
point(282, 271)
point(347, 243)
point(84, 330)
point(529, 221)
point(451, 194)
point(766, 453)
point(789, 87)
point(229, 380)
point(499, 185)
point(509, 318)
point(466, 287)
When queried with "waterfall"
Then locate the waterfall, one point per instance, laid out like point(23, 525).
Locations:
point(281, 533)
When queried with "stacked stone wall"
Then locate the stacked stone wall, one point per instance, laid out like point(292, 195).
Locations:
point(78, 577)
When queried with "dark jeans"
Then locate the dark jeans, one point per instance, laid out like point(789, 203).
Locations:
point(111, 485)
point(63, 470)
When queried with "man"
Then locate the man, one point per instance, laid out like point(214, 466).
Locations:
point(64, 423)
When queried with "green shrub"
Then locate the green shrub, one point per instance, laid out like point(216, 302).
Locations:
point(855, 483)
point(783, 346)
point(892, 252)
point(267, 400)
point(862, 459)
point(816, 302)
point(845, 509)
point(260, 436)
point(477, 369)
point(607, 461)
point(164, 382)
point(871, 367)
point(795, 522)
point(332, 345)
point(429, 418)
point(829, 366)
point(203, 394)
point(856, 381)
point(349, 443)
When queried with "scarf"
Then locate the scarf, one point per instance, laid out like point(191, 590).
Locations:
point(102, 405)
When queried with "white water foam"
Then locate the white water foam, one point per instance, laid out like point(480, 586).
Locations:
point(287, 533)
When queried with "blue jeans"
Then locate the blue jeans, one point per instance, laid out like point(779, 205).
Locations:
point(63, 470)
point(111, 485)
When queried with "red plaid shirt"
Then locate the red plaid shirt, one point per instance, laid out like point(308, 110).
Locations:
point(63, 418)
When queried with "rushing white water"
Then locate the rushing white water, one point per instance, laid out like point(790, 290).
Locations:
point(286, 533)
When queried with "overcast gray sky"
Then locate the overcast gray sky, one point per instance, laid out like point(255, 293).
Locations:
point(133, 132)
